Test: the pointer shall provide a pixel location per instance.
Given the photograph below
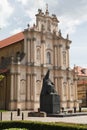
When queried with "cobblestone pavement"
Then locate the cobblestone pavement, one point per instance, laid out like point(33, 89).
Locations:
point(74, 119)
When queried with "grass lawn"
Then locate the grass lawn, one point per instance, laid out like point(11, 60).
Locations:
point(3, 110)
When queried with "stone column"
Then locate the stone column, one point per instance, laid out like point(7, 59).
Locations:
point(18, 83)
point(18, 86)
point(33, 91)
point(67, 47)
point(12, 87)
point(12, 79)
point(32, 50)
point(28, 50)
point(43, 53)
point(55, 55)
point(69, 92)
point(75, 93)
point(34, 86)
point(60, 55)
point(61, 90)
point(56, 83)
point(58, 87)
point(31, 88)
point(28, 91)
point(28, 80)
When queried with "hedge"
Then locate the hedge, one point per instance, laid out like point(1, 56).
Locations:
point(29, 125)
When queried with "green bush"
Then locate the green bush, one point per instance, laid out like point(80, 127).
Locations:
point(28, 125)
point(15, 129)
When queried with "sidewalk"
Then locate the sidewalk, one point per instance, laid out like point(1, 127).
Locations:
point(74, 119)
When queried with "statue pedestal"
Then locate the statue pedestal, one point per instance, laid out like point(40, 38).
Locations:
point(50, 103)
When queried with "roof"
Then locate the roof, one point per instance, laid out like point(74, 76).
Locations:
point(11, 40)
point(81, 71)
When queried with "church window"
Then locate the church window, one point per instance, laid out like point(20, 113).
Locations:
point(18, 53)
point(48, 58)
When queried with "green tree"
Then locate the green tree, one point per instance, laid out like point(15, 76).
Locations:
point(1, 77)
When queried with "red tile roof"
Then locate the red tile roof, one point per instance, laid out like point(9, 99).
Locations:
point(11, 40)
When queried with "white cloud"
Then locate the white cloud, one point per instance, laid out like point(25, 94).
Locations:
point(24, 2)
point(72, 16)
point(69, 16)
point(33, 8)
point(31, 4)
point(17, 30)
point(68, 24)
point(70, 13)
point(5, 12)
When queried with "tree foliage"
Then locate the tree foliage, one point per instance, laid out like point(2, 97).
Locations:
point(1, 77)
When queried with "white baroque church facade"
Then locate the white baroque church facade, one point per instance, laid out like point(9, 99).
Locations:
point(25, 59)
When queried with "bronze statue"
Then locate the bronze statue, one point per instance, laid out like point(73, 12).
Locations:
point(48, 85)
point(49, 99)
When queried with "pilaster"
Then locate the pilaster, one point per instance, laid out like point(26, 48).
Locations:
point(60, 54)
point(28, 80)
point(67, 48)
point(12, 78)
point(34, 86)
point(12, 87)
point(55, 55)
point(18, 71)
point(56, 83)
point(28, 50)
point(69, 92)
point(61, 88)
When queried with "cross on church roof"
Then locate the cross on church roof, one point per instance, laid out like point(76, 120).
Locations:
point(47, 9)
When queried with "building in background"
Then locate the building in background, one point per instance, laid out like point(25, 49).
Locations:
point(25, 59)
point(82, 85)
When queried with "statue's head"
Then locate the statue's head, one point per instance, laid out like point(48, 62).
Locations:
point(47, 75)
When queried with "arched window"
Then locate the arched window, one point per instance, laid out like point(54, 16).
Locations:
point(48, 58)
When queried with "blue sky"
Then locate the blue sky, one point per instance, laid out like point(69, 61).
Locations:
point(72, 14)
